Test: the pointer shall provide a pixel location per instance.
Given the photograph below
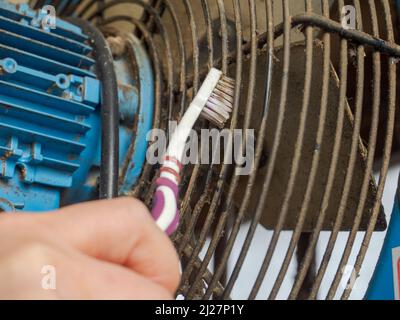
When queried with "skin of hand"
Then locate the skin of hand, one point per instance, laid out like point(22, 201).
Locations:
point(99, 250)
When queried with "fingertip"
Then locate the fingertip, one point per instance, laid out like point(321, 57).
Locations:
point(135, 213)
point(170, 278)
point(169, 274)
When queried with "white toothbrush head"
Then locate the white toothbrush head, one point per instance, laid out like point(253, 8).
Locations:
point(219, 105)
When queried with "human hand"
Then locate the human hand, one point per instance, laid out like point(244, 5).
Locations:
point(99, 250)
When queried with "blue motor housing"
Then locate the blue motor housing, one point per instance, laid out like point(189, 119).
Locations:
point(50, 102)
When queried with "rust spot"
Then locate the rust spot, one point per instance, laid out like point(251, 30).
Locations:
point(6, 155)
point(72, 157)
point(23, 172)
point(117, 45)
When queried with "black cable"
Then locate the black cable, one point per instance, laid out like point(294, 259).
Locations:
point(70, 9)
point(398, 190)
point(39, 4)
point(109, 169)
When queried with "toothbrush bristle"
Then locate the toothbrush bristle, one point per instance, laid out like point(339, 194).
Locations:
point(220, 104)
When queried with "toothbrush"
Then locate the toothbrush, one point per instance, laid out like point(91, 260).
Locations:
point(214, 102)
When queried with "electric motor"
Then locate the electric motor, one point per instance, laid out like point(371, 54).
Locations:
point(50, 111)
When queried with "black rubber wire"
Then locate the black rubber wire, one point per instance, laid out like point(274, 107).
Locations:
point(39, 4)
point(109, 169)
point(398, 190)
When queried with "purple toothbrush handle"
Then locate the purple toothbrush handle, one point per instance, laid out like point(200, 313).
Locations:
point(159, 203)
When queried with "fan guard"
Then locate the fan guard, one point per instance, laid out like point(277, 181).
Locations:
point(263, 45)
